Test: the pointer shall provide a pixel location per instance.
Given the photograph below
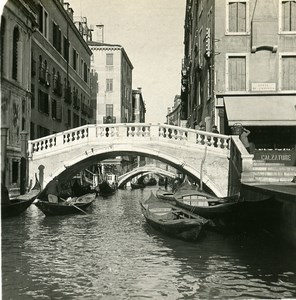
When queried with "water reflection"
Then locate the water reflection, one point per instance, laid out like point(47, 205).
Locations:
point(112, 253)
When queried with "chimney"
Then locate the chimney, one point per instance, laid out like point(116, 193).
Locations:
point(98, 35)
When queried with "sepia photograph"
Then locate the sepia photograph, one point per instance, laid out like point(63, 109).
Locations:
point(148, 149)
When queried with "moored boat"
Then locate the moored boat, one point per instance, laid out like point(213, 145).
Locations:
point(165, 195)
point(105, 189)
point(75, 205)
point(18, 205)
point(205, 204)
point(136, 186)
point(172, 220)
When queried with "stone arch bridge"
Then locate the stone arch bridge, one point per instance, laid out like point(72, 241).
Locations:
point(66, 153)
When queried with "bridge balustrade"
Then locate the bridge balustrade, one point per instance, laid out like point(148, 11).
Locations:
point(133, 130)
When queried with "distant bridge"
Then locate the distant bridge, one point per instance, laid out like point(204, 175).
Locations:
point(66, 153)
point(123, 179)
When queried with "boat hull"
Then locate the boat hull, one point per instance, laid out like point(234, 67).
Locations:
point(63, 208)
point(18, 205)
point(172, 220)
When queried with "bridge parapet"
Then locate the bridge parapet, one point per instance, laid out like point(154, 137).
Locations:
point(112, 132)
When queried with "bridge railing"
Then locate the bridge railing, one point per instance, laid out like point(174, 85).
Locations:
point(132, 130)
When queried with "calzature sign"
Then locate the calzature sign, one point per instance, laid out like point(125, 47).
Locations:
point(287, 157)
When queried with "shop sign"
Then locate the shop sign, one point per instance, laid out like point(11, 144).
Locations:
point(263, 86)
point(287, 157)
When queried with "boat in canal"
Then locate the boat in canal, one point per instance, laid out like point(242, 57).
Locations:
point(136, 186)
point(105, 189)
point(73, 205)
point(165, 195)
point(172, 220)
point(205, 204)
point(16, 206)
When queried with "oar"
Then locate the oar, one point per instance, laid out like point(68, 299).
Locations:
point(74, 206)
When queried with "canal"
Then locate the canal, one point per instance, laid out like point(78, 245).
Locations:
point(112, 253)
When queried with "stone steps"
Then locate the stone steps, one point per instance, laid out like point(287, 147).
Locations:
point(273, 172)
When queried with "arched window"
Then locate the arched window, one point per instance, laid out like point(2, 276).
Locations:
point(16, 37)
point(3, 26)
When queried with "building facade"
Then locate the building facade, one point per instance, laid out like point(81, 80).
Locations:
point(138, 106)
point(240, 68)
point(114, 69)
point(60, 71)
point(18, 21)
point(174, 113)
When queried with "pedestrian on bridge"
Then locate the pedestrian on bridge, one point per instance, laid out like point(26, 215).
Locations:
point(244, 138)
point(215, 130)
point(53, 190)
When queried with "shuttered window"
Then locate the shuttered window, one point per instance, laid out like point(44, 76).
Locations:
point(109, 59)
point(288, 73)
point(236, 73)
point(288, 15)
point(237, 15)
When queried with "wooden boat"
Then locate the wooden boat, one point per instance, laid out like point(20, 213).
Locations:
point(165, 195)
point(136, 186)
point(105, 189)
point(75, 205)
point(150, 182)
point(16, 206)
point(205, 204)
point(172, 220)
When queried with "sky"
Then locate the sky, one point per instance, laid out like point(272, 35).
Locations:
point(152, 34)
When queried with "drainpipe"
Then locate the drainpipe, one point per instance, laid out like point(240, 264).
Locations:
point(24, 162)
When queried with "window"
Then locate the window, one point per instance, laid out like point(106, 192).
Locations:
point(109, 85)
point(32, 131)
point(109, 59)
point(54, 109)
point(237, 16)
point(16, 37)
point(66, 49)
point(56, 37)
point(33, 95)
point(69, 118)
point(42, 131)
point(75, 59)
point(85, 72)
point(288, 72)
point(43, 105)
point(43, 20)
point(288, 15)
point(75, 120)
point(237, 74)
point(109, 110)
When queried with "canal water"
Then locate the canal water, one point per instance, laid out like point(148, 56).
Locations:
point(112, 253)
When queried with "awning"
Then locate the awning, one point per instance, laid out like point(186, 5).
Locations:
point(264, 110)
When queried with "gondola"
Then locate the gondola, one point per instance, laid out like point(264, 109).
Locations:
point(105, 189)
point(136, 186)
point(75, 205)
point(205, 204)
point(172, 220)
point(16, 206)
point(165, 195)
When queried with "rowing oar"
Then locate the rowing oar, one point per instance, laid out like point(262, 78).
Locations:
point(74, 206)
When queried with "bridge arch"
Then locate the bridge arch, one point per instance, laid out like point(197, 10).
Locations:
point(147, 169)
point(66, 153)
point(72, 166)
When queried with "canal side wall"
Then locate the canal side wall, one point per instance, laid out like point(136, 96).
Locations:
point(284, 197)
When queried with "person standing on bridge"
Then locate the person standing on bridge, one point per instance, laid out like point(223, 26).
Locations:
point(53, 190)
point(215, 130)
point(244, 138)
